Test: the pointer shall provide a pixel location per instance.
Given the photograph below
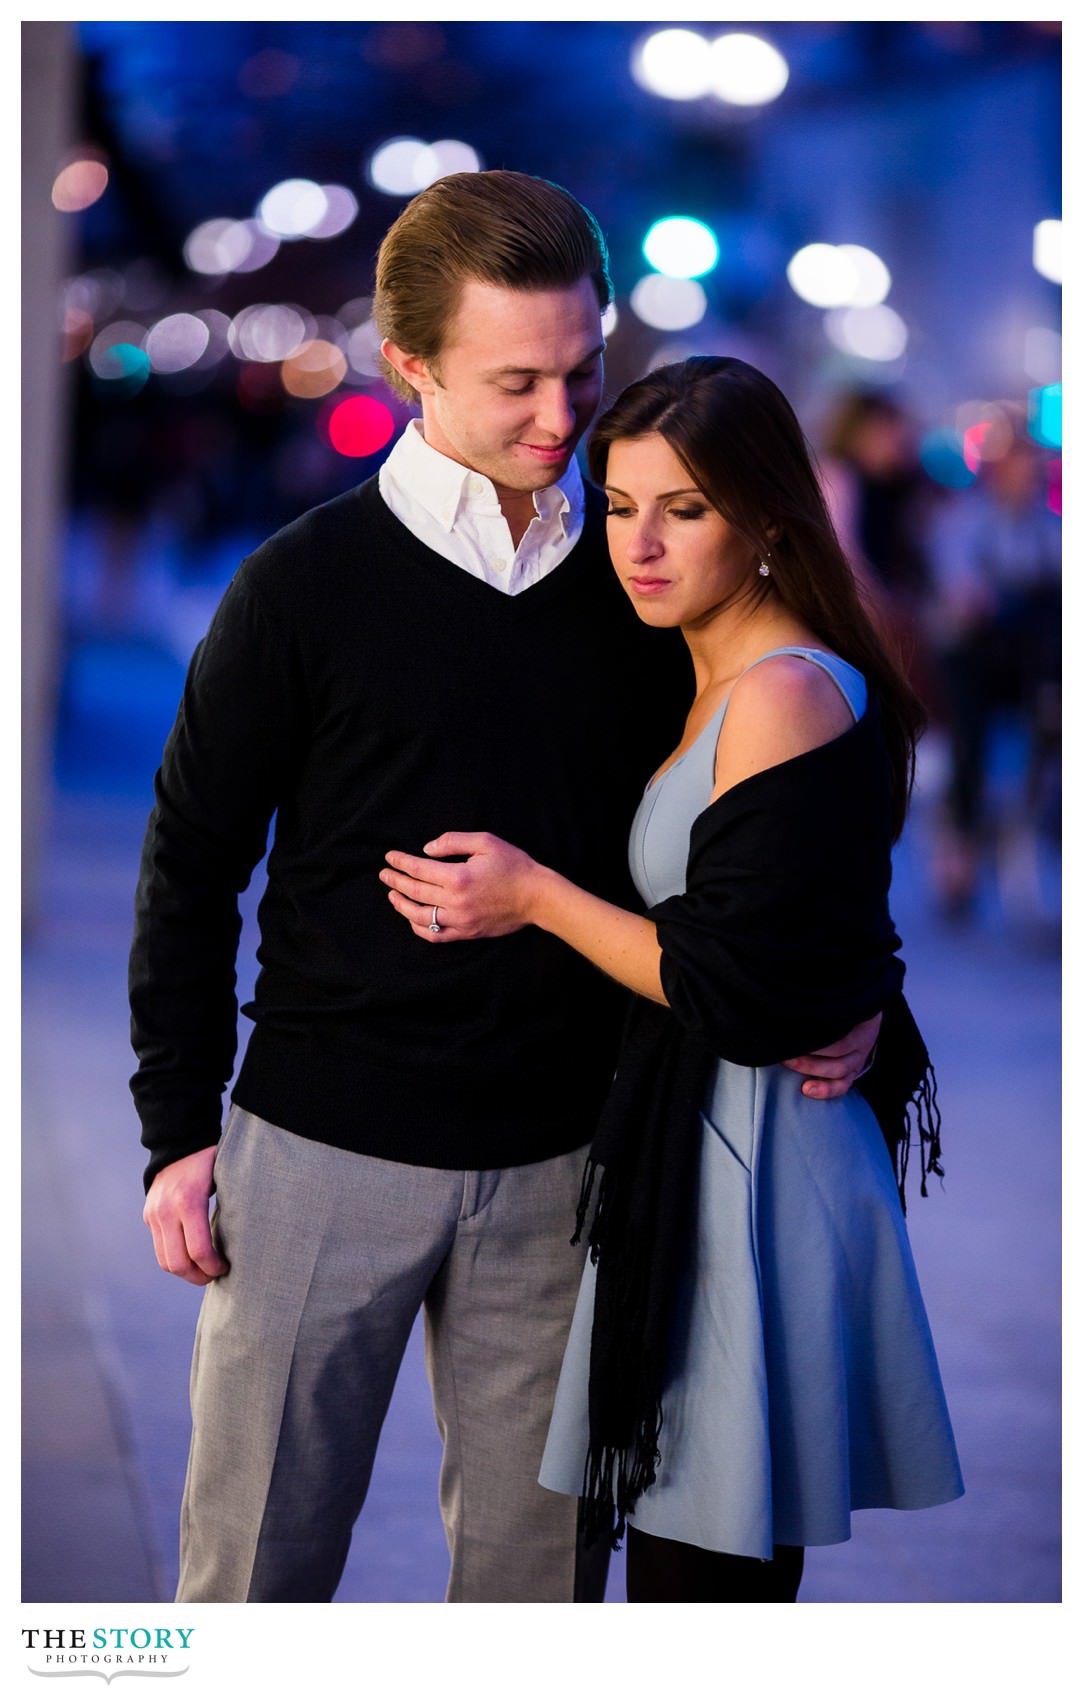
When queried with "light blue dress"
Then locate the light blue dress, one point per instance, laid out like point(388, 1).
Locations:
point(803, 1382)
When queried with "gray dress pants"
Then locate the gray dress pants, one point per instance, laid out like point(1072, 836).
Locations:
point(331, 1256)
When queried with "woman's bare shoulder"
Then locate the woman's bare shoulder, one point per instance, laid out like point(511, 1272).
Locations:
point(777, 710)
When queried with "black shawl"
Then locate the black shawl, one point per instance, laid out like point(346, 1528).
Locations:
point(781, 942)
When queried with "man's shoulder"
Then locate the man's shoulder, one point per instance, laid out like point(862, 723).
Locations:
point(322, 527)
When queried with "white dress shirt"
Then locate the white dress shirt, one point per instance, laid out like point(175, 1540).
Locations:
point(456, 512)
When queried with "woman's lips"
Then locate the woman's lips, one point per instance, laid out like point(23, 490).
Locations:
point(648, 586)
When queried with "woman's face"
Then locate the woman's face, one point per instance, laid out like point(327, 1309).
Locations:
point(678, 559)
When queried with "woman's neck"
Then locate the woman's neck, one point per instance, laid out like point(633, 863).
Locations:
point(729, 640)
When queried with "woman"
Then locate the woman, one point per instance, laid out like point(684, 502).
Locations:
point(750, 1358)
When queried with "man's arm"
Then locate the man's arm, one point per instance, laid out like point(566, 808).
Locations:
point(235, 742)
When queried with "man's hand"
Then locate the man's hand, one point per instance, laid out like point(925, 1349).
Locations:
point(176, 1214)
point(833, 1070)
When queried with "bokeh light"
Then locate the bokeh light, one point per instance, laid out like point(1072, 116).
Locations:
point(217, 337)
point(392, 168)
point(942, 456)
point(610, 319)
point(79, 184)
point(363, 349)
point(405, 165)
point(823, 275)
point(341, 212)
point(317, 368)
point(1047, 249)
point(1054, 493)
point(988, 432)
point(442, 158)
point(265, 332)
point(120, 370)
point(176, 342)
point(745, 70)
point(681, 247)
point(262, 246)
point(216, 246)
point(358, 426)
point(872, 333)
point(674, 63)
point(292, 208)
point(76, 332)
point(1044, 415)
point(121, 331)
point(668, 303)
point(872, 278)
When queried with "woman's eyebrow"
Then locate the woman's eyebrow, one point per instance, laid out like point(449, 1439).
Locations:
point(663, 496)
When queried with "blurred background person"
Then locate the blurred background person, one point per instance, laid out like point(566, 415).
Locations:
point(882, 501)
point(996, 625)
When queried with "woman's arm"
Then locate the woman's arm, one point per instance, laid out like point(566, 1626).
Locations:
point(501, 889)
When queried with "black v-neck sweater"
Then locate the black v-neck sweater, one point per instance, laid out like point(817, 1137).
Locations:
point(375, 695)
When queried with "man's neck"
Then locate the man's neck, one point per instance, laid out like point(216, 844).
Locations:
point(518, 509)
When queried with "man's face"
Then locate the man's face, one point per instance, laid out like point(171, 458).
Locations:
point(516, 384)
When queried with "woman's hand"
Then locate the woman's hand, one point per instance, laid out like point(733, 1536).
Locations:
point(488, 895)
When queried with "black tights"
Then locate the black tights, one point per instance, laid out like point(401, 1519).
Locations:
point(662, 1571)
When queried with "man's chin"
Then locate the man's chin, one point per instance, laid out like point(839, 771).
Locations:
point(535, 475)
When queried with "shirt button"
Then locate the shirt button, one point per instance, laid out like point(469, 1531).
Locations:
point(475, 486)
point(500, 564)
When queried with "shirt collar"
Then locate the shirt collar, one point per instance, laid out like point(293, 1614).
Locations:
point(445, 488)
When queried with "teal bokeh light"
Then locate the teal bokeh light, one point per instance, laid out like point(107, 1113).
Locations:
point(1044, 415)
point(122, 370)
point(681, 247)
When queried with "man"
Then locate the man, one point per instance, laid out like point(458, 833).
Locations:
point(447, 642)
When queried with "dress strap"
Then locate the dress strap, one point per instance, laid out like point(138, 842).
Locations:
point(848, 681)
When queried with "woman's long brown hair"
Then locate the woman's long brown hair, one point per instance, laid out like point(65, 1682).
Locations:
point(741, 442)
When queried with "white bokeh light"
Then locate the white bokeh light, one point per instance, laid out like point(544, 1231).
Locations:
point(681, 247)
point(668, 303)
point(1047, 249)
point(266, 332)
point(393, 167)
point(217, 246)
point(363, 350)
point(177, 342)
point(292, 208)
point(441, 159)
point(610, 319)
point(262, 246)
point(872, 333)
point(872, 278)
point(823, 275)
point(745, 70)
point(340, 214)
point(675, 64)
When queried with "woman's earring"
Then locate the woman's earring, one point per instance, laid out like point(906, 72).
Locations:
point(765, 568)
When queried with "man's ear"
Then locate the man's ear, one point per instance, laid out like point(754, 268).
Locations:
point(411, 367)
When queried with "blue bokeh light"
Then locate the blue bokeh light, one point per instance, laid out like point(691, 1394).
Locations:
point(1044, 415)
point(944, 459)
